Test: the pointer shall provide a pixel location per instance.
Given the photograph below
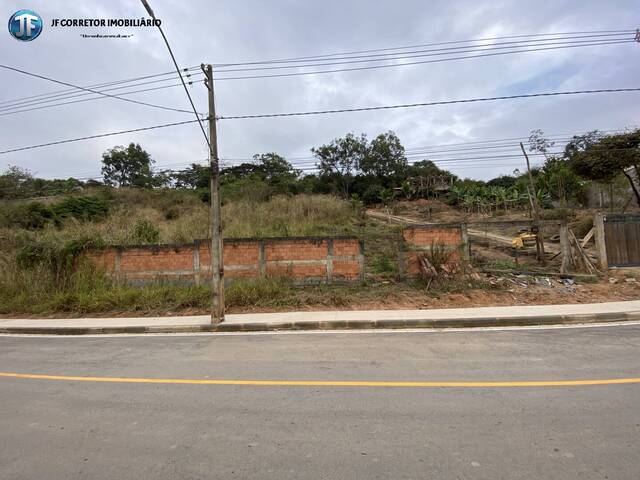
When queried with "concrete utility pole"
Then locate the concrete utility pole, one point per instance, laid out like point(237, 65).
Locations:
point(217, 264)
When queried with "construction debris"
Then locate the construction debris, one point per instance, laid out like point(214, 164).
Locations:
point(581, 262)
point(524, 281)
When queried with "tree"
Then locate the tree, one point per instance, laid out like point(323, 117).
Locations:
point(506, 181)
point(602, 157)
point(127, 167)
point(340, 160)
point(275, 170)
point(559, 180)
point(14, 181)
point(538, 143)
point(384, 157)
point(195, 176)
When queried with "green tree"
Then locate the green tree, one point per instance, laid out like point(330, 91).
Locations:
point(127, 167)
point(562, 183)
point(14, 182)
point(276, 171)
point(195, 176)
point(384, 157)
point(340, 160)
point(603, 157)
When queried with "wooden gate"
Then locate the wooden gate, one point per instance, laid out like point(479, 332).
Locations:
point(622, 236)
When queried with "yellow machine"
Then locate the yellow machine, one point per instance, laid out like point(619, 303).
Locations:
point(524, 239)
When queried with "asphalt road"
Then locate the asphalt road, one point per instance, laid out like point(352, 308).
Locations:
point(63, 429)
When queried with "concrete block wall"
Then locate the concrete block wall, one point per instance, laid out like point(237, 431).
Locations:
point(302, 259)
point(419, 239)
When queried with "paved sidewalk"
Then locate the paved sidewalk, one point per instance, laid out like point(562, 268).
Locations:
point(440, 318)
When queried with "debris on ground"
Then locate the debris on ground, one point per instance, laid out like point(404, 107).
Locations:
point(524, 281)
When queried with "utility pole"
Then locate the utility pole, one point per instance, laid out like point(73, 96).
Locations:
point(217, 264)
point(536, 207)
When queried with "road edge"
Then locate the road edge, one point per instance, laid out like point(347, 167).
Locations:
point(430, 323)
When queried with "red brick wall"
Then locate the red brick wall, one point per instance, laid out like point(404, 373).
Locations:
point(420, 238)
point(301, 259)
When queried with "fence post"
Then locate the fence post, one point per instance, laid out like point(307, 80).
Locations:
point(601, 243)
point(464, 240)
point(330, 261)
point(118, 265)
point(196, 262)
point(565, 248)
point(402, 265)
point(262, 259)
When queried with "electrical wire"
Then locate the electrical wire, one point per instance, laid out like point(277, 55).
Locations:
point(427, 53)
point(75, 94)
point(173, 58)
point(421, 62)
point(428, 104)
point(97, 85)
point(13, 112)
point(593, 33)
point(24, 72)
point(101, 135)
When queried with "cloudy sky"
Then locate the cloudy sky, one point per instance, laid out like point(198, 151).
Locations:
point(214, 31)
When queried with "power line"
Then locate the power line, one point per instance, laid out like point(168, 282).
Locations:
point(485, 39)
point(57, 93)
point(74, 94)
point(13, 112)
point(24, 72)
point(427, 53)
point(320, 112)
point(428, 104)
point(97, 136)
point(164, 37)
point(421, 62)
point(499, 143)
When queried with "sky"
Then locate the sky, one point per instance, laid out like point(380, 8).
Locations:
point(231, 31)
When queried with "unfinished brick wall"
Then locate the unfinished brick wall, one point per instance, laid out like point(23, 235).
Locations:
point(302, 259)
point(419, 239)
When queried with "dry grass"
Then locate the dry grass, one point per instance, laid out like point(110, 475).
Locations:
point(289, 216)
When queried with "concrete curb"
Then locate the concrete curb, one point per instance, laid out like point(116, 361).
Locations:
point(462, 322)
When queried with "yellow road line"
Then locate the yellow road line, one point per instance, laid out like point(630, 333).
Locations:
point(325, 383)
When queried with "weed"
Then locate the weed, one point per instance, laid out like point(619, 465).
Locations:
point(145, 232)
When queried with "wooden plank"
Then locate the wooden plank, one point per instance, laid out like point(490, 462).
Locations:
point(588, 237)
point(632, 238)
point(613, 236)
point(623, 252)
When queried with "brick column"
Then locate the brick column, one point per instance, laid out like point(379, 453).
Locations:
point(329, 261)
point(262, 260)
point(118, 263)
point(464, 237)
point(196, 262)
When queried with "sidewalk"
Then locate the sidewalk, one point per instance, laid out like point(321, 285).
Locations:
point(336, 320)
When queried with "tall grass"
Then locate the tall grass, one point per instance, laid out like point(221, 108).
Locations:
point(88, 291)
point(36, 274)
point(289, 216)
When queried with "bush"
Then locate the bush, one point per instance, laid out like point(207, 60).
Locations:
point(87, 209)
point(55, 257)
point(372, 194)
point(145, 232)
point(30, 216)
point(557, 214)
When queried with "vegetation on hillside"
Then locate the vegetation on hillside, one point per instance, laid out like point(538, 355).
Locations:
point(44, 224)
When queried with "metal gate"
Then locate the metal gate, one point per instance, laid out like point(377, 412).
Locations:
point(622, 236)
